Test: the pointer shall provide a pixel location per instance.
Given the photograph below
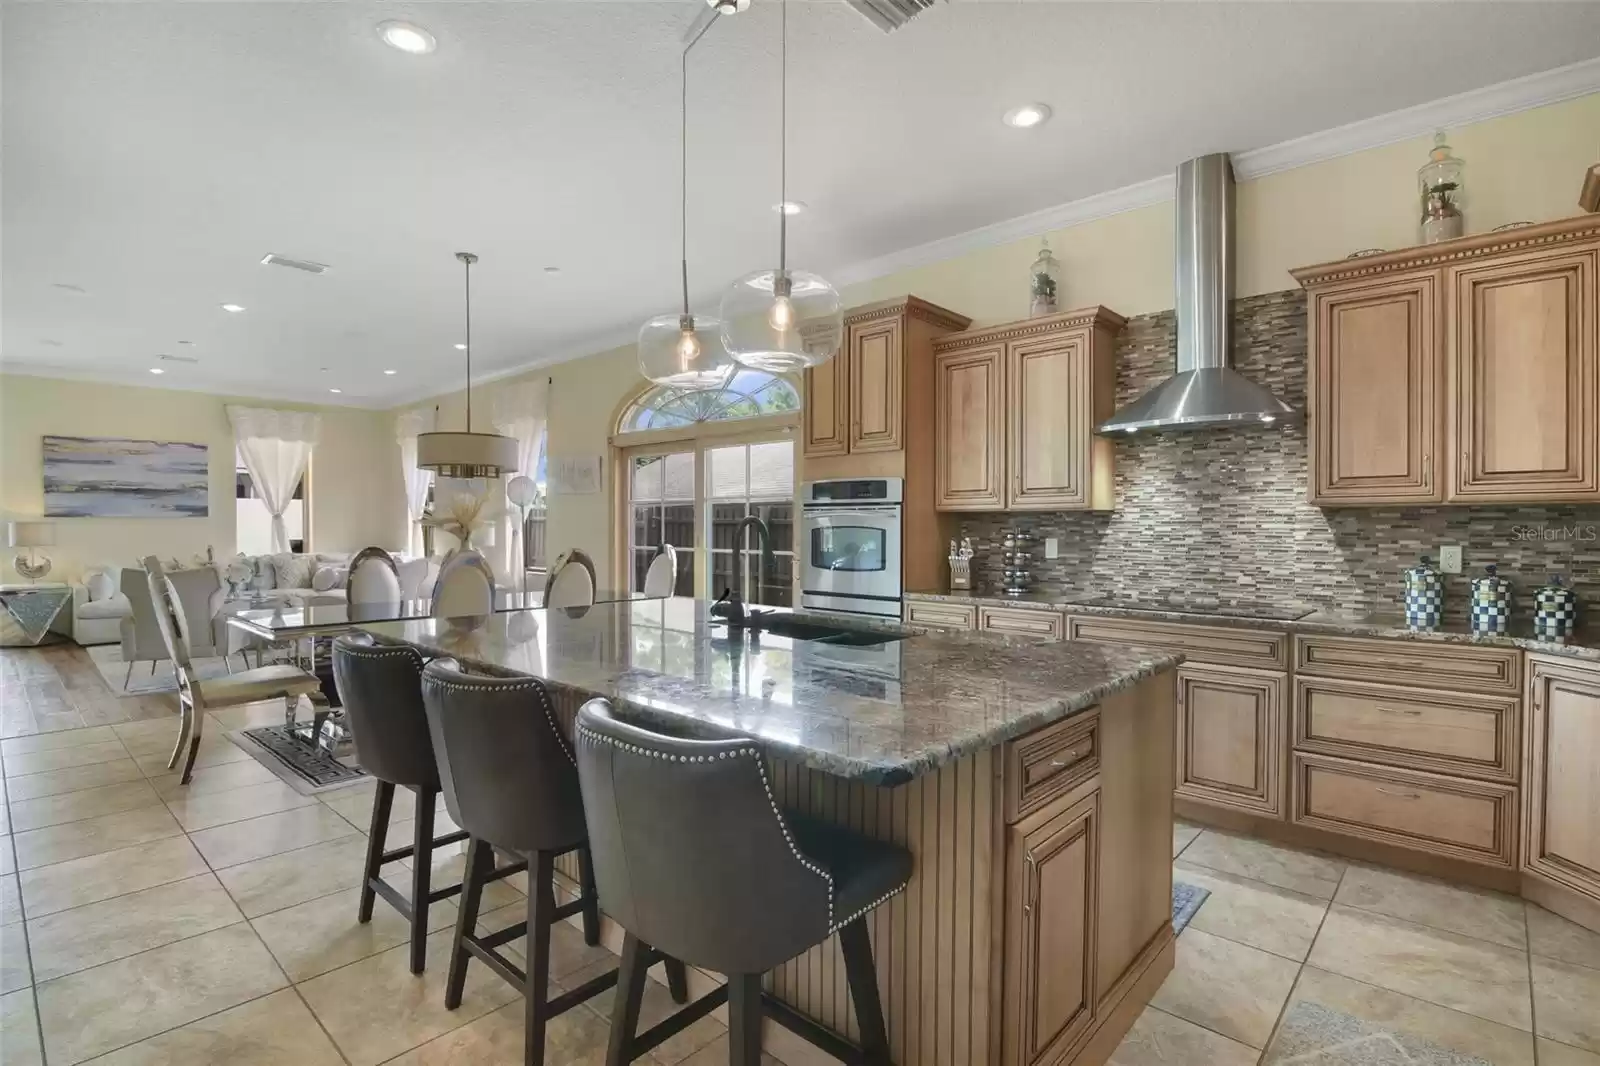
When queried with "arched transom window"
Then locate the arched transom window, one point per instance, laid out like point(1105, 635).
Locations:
point(751, 394)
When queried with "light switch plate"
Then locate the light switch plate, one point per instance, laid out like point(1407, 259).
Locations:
point(1052, 548)
point(1450, 558)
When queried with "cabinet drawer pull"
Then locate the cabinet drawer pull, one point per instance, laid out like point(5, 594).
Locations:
point(1410, 712)
point(1400, 795)
point(1065, 761)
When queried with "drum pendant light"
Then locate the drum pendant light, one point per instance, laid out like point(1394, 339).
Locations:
point(468, 454)
point(782, 320)
point(679, 350)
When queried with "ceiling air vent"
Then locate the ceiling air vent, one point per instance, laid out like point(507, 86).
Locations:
point(177, 358)
point(273, 259)
point(890, 15)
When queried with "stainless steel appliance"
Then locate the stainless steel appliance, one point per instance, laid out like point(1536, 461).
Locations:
point(850, 545)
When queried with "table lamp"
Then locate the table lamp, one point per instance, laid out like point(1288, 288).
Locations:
point(31, 535)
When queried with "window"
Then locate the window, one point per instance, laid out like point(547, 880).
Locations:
point(534, 555)
point(701, 473)
point(254, 522)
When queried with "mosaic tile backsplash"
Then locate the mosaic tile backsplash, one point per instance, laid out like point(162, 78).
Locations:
point(1221, 515)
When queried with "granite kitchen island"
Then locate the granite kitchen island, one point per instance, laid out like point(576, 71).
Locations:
point(1032, 783)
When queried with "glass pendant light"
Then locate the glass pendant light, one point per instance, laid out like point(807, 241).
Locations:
point(782, 320)
point(679, 350)
point(468, 454)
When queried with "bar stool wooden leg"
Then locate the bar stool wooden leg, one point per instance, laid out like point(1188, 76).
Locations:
point(541, 913)
point(421, 878)
point(377, 836)
point(630, 994)
point(862, 975)
point(591, 898)
point(677, 979)
point(744, 1019)
point(480, 863)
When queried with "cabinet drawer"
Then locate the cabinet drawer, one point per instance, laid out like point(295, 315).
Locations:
point(944, 615)
point(1447, 816)
point(1454, 733)
point(1222, 645)
point(1410, 662)
point(1022, 620)
point(1050, 762)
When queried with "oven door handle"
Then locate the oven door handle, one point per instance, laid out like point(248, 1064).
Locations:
point(853, 512)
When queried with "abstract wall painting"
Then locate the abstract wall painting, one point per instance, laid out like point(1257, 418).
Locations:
point(95, 477)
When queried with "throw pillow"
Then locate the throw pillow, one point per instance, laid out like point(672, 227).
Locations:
point(101, 586)
point(293, 571)
point(327, 578)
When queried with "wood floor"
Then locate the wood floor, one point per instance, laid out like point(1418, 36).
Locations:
point(56, 687)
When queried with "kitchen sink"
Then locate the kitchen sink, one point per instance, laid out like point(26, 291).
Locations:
point(815, 632)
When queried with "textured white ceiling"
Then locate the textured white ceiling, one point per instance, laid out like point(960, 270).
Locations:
point(153, 152)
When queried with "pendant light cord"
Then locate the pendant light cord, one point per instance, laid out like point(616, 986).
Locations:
point(468, 264)
point(783, 138)
point(683, 163)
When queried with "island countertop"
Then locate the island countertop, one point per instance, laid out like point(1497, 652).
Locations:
point(882, 714)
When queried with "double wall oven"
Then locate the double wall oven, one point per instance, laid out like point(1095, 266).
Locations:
point(850, 546)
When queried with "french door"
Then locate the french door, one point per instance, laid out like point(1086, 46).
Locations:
point(693, 495)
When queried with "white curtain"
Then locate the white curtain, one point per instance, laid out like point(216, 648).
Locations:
point(408, 426)
point(519, 413)
point(275, 447)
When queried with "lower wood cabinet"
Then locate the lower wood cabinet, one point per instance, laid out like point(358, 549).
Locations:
point(1051, 886)
point(943, 615)
point(1562, 774)
point(1230, 737)
point(1022, 621)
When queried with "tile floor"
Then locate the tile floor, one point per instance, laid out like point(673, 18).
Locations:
point(146, 923)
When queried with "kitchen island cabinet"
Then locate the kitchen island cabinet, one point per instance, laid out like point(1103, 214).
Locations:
point(1031, 782)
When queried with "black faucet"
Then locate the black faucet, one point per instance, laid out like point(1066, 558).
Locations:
point(730, 604)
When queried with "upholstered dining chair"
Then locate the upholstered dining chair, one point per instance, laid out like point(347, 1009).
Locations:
point(662, 577)
point(196, 696)
point(571, 582)
point(465, 586)
point(141, 636)
point(373, 577)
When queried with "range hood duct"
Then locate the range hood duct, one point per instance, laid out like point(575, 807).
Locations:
point(1205, 392)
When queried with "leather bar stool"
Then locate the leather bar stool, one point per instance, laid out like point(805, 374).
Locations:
point(695, 859)
point(511, 782)
point(381, 689)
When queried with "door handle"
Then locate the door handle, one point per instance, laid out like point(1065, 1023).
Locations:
point(1029, 867)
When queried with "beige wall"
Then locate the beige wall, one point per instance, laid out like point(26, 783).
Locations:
point(356, 498)
point(1524, 167)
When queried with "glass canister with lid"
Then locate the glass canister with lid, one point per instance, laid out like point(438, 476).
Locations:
point(1424, 596)
point(1491, 602)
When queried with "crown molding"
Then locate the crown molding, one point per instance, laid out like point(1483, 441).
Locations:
point(171, 383)
point(594, 345)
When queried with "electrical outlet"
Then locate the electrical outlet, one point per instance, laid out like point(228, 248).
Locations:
point(1052, 548)
point(1450, 558)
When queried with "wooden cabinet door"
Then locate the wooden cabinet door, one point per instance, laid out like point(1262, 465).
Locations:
point(1231, 737)
point(1051, 903)
point(1561, 775)
point(826, 415)
point(877, 386)
point(969, 430)
point(1051, 415)
point(1526, 376)
point(1375, 380)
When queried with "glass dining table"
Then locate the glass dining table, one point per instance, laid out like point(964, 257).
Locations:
point(306, 631)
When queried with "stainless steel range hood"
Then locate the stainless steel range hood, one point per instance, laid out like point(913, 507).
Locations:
point(1205, 392)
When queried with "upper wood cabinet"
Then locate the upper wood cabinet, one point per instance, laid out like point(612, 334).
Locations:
point(1561, 775)
point(1461, 372)
point(861, 400)
point(1017, 406)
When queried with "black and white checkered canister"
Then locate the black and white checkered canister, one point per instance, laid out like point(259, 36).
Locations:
point(1555, 609)
point(1491, 603)
point(1424, 596)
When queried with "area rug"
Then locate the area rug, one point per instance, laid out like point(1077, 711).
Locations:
point(1186, 900)
point(107, 658)
point(1313, 1033)
point(306, 769)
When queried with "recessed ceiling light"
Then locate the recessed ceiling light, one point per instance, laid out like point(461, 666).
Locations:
point(461, 347)
point(1027, 116)
point(790, 207)
point(408, 37)
point(391, 371)
point(335, 390)
point(157, 370)
point(232, 308)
